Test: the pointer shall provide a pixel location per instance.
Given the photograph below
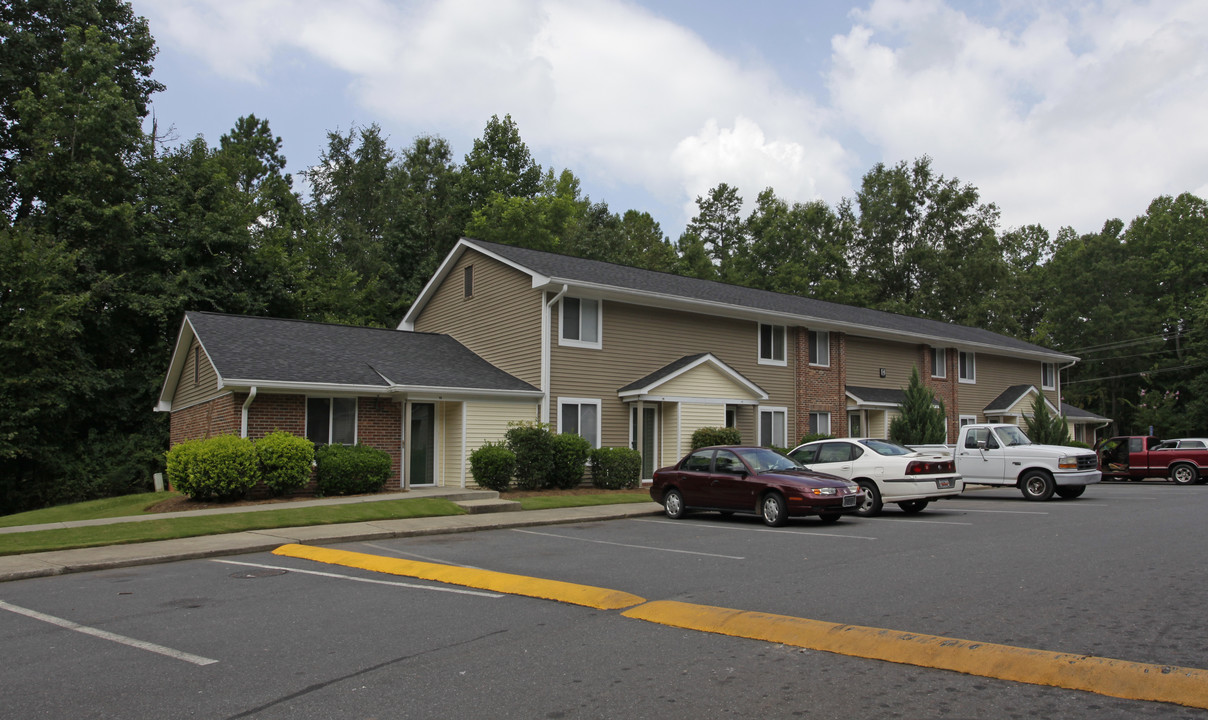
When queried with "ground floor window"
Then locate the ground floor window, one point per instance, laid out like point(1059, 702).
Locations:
point(772, 426)
point(581, 417)
point(820, 423)
point(331, 421)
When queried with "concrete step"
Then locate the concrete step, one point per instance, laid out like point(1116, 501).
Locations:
point(475, 507)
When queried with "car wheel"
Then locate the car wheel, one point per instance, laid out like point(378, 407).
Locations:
point(1037, 485)
point(912, 507)
point(830, 517)
point(1184, 474)
point(773, 510)
point(673, 504)
point(872, 499)
point(1069, 492)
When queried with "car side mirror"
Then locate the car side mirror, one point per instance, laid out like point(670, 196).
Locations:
point(981, 445)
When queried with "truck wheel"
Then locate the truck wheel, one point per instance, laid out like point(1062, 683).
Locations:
point(872, 499)
point(1184, 474)
point(1037, 485)
point(1070, 492)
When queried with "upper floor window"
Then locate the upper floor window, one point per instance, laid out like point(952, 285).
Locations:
point(468, 277)
point(581, 417)
point(331, 421)
point(1048, 376)
point(820, 348)
point(580, 322)
point(771, 344)
point(939, 362)
point(968, 367)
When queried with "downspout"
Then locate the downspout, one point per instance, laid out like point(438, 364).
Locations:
point(246, 404)
point(546, 341)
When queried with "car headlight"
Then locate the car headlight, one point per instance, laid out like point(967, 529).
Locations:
point(825, 491)
point(1069, 462)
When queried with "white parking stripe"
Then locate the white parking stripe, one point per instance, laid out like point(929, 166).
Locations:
point(364, 580)
point(106, 635)
point(639, 547)
point(925, 522)
point(1000, 512)
point(719, 526)
point(425, 558)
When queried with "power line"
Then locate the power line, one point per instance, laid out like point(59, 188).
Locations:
point(1137, 374)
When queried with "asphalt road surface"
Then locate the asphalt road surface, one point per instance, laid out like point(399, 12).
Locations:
point(1117, 574)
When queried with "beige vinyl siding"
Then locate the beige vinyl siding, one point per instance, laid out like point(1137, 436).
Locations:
point(487, 421)
point(189, 392)
point(994, 375)
point(704, 381)
point(866, 357)
point(501, 321)
point(637, 341)
point(451, 445)
point(694, 416)
point(673, 445)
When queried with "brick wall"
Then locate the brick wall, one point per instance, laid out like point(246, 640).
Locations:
point(380, 425)
point(220, 416)
point(821, 389)
point(945, 388)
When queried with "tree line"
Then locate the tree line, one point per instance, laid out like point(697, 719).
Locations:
point(108, 235)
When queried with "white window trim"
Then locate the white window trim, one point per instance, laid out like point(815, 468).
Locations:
point(972, 380)
point(966, 420)
point(595, 443)
point(936, 353)
point(828, 420)
point(599, 341)
point(826, 356)
point(1053, 380)
point(331, 416)
point(784, 427)
point(784, 344)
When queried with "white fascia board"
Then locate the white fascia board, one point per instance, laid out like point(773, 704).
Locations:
point(180, 355)
point(707, 358)
point(738, 312)
point(629, 397)
point(359, 390)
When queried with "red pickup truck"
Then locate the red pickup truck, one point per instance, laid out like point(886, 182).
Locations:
point(1141, 456)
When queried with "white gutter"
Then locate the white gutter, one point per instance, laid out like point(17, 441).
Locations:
point(251, 395)
point(546, 342)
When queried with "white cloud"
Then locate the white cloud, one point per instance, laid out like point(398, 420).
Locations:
point(1075, 118)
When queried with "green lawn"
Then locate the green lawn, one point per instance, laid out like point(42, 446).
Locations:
point(123, 506)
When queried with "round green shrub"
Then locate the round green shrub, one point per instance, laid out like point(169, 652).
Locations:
point(222, 468)
point(709, 436)
point(615, 468)
point(350, 469)
point(285, 461)
point(569, 460)
point(534, 448)
point(492, 466)
point(180, 459)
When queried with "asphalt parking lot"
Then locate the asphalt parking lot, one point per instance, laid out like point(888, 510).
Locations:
point(1114, 574)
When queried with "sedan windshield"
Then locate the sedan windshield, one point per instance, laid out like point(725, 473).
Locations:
point(1011, 435)
point(764, 460)
point(881, 447)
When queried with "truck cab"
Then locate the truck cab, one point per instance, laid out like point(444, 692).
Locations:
point(1136, 457)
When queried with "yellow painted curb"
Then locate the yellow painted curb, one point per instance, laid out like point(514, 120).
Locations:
point(1117, 678)
point(586, 595)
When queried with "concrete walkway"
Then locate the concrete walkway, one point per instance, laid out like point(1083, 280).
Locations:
point(484, 515)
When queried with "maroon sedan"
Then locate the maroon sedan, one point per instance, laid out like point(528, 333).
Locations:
point(752, 480)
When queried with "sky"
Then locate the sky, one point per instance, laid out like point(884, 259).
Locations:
point(1061, 113)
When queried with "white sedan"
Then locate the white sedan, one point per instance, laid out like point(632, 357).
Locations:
point(888, 472)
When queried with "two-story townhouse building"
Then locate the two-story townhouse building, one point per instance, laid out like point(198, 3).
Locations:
point(619, 355)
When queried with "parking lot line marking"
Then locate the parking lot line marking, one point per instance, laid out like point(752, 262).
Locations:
point(925, 522)
point(639, 547)
point(106, 635)
point(586, 595)
point(337, 576)
point(425, 558)
point(999, 512)
point(1104, 676)
point(682, 524)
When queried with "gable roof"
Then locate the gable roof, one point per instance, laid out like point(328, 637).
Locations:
point(1079, 415)
point(1011, 397)
point(684, 365)
point(301, 356)
point(598, 279)
point(876, 396)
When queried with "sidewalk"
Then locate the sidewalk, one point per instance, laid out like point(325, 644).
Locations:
point(58, 562)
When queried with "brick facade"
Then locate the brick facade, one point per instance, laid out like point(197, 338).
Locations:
point(821, 389)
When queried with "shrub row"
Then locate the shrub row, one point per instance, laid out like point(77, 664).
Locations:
point(227, 467)
point(535, 458)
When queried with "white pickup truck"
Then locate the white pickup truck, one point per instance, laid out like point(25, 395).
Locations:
point(1001, 454)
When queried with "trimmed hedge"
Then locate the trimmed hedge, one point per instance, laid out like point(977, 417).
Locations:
point(709, 436)
point(534, 448)
point(220, 468)
point(492, 466)
point(810, 437)
point(351, 469)
point(285, 461)
point(180, 461)
point(616, 468)
point(569, 460)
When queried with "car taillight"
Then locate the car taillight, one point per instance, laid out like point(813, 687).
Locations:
point(930, 467)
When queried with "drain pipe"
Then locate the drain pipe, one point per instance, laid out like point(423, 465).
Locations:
point(546, 341)
point(246, 404)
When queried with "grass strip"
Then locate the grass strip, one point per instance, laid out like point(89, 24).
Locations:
point(545, 502)
point(169, 528)
point(123, 506)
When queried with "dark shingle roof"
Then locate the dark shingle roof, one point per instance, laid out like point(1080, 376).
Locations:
point(595, 272)
point(877, 395)
point(1008, 398)
point(292, 351)
point(1073, 413)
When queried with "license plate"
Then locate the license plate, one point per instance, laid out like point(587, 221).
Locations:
point(849, 501)
point(944, 483)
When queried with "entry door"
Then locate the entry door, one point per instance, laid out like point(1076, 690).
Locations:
point(422, 444)
point(646, 443)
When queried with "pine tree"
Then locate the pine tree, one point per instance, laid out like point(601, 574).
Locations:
point(1045, 428)
point(922, 418)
